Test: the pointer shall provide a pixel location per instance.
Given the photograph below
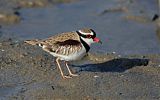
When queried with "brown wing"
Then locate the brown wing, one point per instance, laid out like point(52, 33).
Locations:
point(64, 48)
point(61, 37)
point(64, 44)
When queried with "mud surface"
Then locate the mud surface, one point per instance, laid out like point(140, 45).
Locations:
point(125, 67)
point(28, 73)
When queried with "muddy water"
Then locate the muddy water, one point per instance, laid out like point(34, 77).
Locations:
point(124, 26)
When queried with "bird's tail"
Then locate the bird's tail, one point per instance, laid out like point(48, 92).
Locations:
point(33, 42)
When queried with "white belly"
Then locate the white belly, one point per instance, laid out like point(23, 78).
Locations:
point(75, 56)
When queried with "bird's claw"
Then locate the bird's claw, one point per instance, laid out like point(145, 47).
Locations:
point(73, 74)
point(66, 77)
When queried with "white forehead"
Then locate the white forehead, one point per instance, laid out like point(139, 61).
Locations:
point(85, 33)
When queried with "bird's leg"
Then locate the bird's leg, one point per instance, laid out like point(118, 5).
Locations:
point(57, 61)
point(70, 73)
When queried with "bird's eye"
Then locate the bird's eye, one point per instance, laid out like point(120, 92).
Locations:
point(89, 36)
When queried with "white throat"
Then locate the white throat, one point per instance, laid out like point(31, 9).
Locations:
point(88, 41)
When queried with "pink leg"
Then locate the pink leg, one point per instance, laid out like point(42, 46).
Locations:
point(64, 77)
point(70, 73)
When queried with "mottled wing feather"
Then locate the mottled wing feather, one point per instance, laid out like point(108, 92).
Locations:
point(68, 49)
point(62, 37)
point(63, 44)
point(63, 48)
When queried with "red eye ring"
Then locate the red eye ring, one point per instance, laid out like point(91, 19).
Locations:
point(89, 36)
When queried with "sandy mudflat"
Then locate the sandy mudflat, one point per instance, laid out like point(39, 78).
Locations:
point(28, 73)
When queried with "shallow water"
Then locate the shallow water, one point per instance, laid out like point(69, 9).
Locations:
point(118, 34)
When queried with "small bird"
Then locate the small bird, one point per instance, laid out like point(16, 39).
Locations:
point(68, 46)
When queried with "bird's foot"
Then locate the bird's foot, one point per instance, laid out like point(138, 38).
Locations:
point(73, 74)
point(66, 77)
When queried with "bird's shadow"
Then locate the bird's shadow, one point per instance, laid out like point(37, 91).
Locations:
point(114, 65)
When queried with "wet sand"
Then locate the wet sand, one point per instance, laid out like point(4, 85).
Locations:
point(9, 9)
point(29, 73)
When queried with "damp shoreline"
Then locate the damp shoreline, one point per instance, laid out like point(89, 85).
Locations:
point(126, 66)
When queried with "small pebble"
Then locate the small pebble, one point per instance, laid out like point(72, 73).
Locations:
point(143, 56)
point(155, 17)
point(96, 59)
point(113, 52)
point(119, 55)
point(21, 55)
point(96, 76)
point(52, 87)
point(2, 16)
point(17, 13)
point(2, 50)
point(122, 75)
point(120, 93)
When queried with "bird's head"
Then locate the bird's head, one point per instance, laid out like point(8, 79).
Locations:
point(89, 36)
